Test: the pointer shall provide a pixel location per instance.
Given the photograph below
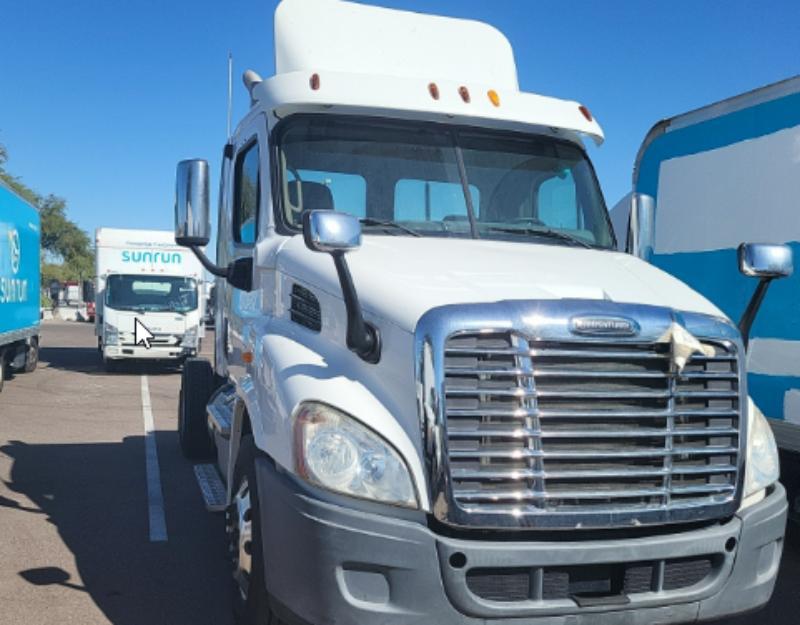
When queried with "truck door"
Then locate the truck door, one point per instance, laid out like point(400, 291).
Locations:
point(238, 234)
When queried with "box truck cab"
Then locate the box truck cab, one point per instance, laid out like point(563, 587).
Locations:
point(149, 297)
point(439, 394)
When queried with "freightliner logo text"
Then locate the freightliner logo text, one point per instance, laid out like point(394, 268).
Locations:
point(604, 326)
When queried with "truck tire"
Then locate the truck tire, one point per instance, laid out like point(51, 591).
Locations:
point(197, 385)
point(32, 356)
point(249, 592)
point(3, 369)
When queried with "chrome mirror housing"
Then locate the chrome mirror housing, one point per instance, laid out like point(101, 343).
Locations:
point(642, 226)
point(765, 260)
point(331, 231)
point(192, 220)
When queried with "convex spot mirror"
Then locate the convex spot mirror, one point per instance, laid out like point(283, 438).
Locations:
point(765, 260)
point(331, 231)
point(192, 221)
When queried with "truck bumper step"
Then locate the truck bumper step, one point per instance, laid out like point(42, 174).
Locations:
point(211, 486)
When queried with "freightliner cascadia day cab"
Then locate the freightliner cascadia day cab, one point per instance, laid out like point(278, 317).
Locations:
point(712, 179)
point(147, 285)
point(439, 394)
point(19, 284)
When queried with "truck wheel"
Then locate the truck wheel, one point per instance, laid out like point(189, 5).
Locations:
point(2, 369)
point(197, 385)
point(249, 593)
point(32, 357)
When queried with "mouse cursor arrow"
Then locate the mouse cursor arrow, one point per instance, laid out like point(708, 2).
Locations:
point(141, 335)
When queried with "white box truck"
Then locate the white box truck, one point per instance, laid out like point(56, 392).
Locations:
point(711, 179)
point(149, 297)
point(439, 393)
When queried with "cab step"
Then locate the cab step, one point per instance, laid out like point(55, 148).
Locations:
point(211, 487)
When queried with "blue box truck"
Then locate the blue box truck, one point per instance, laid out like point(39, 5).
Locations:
point(19, 284)
point(703, 183)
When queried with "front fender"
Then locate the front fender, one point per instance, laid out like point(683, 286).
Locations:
point(293, 365)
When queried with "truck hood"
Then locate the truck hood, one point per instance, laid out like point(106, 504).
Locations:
point(400, 278)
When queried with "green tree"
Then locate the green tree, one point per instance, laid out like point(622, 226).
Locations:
point(66, 249)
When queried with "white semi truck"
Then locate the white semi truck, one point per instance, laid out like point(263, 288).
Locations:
point(149, 297)
point(439, 394)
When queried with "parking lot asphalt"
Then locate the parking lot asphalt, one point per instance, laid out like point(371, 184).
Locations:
point(74, 525)
point(75, 512)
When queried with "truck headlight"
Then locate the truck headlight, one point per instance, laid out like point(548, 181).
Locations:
point(190, 337)
point(111, 335)
point(335, 451)
point(763, 468)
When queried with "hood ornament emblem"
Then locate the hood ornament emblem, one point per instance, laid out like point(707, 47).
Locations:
point(601, 325)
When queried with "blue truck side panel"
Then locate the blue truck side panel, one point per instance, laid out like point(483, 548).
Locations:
point(19, 266)
point(715, 273)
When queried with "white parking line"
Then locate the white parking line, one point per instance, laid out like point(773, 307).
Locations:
point(155, 498)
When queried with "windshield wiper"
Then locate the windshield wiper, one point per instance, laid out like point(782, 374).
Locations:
point(543, 232)
point(371, 221)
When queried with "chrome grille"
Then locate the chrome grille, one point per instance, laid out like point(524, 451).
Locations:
point(536, 427)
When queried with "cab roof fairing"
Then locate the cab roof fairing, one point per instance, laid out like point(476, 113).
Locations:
point(409, 98)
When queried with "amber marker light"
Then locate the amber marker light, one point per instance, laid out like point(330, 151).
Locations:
point(493, 97)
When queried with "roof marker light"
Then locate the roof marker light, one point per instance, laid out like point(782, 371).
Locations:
point(433, 89)
point(314, 82)
point(464, 93)
point(586, 113)
point(493, 97)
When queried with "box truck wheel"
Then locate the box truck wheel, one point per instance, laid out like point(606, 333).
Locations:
point(32, 355)
point(250, 600)
point(3, 366)
point(197, 385)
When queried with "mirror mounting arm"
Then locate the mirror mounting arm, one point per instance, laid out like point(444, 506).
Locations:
point(210, 267)
point(749, 315)
point(362, 337)
point(239, 273)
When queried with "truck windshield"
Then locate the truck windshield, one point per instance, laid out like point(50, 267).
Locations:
point(404, 178)
point(151, 293)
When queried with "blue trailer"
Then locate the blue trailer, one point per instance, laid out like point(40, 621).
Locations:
point(19, 284)
point(703, 183)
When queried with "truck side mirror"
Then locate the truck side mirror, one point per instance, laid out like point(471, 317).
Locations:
point(336, 233)
point(642, 226)
point(331, 231)
point(192, 221)
point(766, 262)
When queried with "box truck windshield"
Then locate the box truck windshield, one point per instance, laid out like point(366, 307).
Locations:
point(409, 178)
point(151, 293)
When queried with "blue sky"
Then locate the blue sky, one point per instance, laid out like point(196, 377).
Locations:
point(100, 99)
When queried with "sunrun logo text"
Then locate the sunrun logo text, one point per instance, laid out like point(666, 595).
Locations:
point(154, 258)
point(13, 290)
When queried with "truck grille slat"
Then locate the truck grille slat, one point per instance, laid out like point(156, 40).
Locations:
point(581, 426)
point(530, 495)
point(632, 453)
point(514, 433)
point(498, 474)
